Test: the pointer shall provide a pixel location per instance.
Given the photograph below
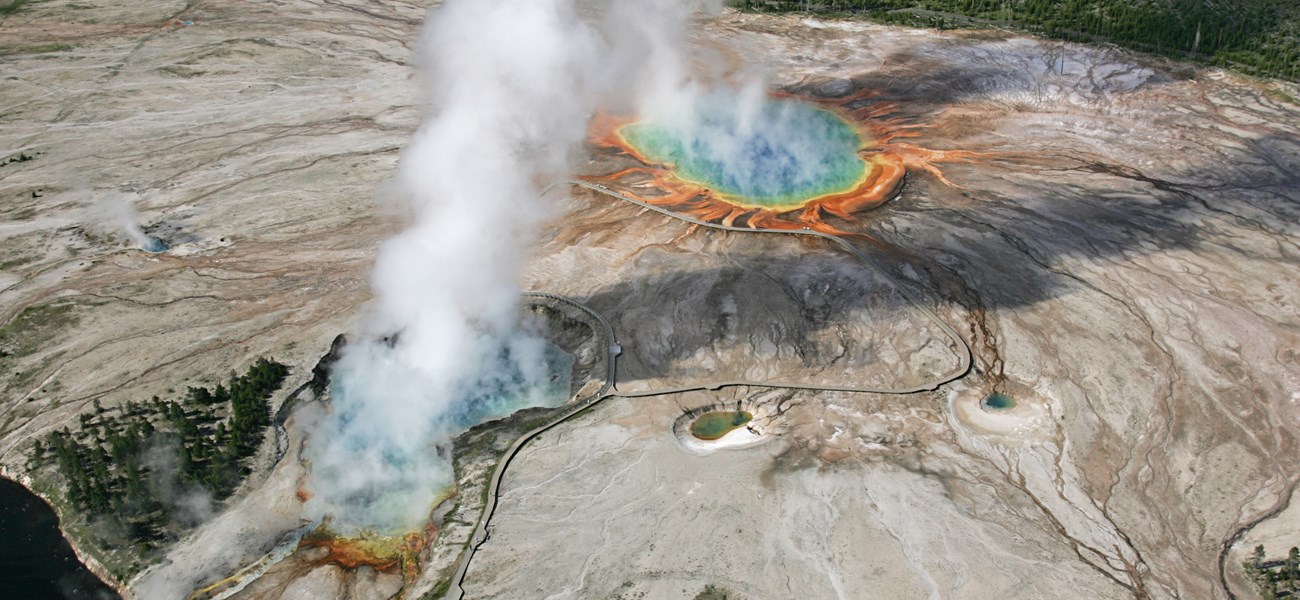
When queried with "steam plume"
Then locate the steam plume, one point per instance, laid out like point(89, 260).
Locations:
point(118, 209)
point(511, 85)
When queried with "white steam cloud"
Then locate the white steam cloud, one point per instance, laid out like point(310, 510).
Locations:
point(512, 84)
point(117, 208)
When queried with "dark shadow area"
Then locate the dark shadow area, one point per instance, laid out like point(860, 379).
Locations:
point(1013, 251)
point(820, 313)
point(922, 86)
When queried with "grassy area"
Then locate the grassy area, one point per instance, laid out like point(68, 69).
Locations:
point(712, 592)
point(1257, 37)
point(24, 378)
point(32, 328)
point(1281, 96)
point(17, 260)
point(439, 590)
point(12, 7)
point(33, 49)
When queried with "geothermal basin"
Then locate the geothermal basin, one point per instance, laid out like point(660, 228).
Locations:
point(740, 158)
point(778, 156)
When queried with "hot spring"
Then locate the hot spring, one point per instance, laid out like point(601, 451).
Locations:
point(998, 401)
point(379, 458)
point(714, 425)
point(779, 156)
point(153, 245)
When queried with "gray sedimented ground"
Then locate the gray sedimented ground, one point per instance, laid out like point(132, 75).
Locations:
point(646, 519)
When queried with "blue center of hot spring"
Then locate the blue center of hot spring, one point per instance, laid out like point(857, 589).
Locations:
point(998, 401)
point(782, 154)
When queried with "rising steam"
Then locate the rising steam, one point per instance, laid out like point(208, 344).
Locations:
point(117, 208)
point(511, 84)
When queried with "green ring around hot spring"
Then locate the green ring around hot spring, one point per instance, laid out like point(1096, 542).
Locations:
point(844, 169)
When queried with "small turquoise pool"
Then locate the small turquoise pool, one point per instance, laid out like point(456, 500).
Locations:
point(998, 401)
point(786, 154)
point(153, 244)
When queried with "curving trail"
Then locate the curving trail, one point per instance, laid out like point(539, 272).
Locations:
point(609, 390)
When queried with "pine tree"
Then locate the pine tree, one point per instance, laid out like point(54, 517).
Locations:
point(1293, 565)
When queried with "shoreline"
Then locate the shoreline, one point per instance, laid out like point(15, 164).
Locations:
point(87, 560)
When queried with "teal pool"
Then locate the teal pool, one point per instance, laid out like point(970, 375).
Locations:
point(713, 425)
point(789, 152)
point(998, 401)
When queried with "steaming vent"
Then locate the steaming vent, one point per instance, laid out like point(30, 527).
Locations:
point(153, 244)
point(119, 208)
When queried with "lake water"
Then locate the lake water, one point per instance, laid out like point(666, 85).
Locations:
point(35, 561)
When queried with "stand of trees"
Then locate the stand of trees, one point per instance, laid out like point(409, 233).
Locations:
point(1258, 37)
point(1275, 578)
point(130, 469)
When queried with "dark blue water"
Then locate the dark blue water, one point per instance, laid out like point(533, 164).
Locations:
point(36, 563)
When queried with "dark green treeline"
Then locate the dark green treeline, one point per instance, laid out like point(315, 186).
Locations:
point(1257, 37)
point(131, 468)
